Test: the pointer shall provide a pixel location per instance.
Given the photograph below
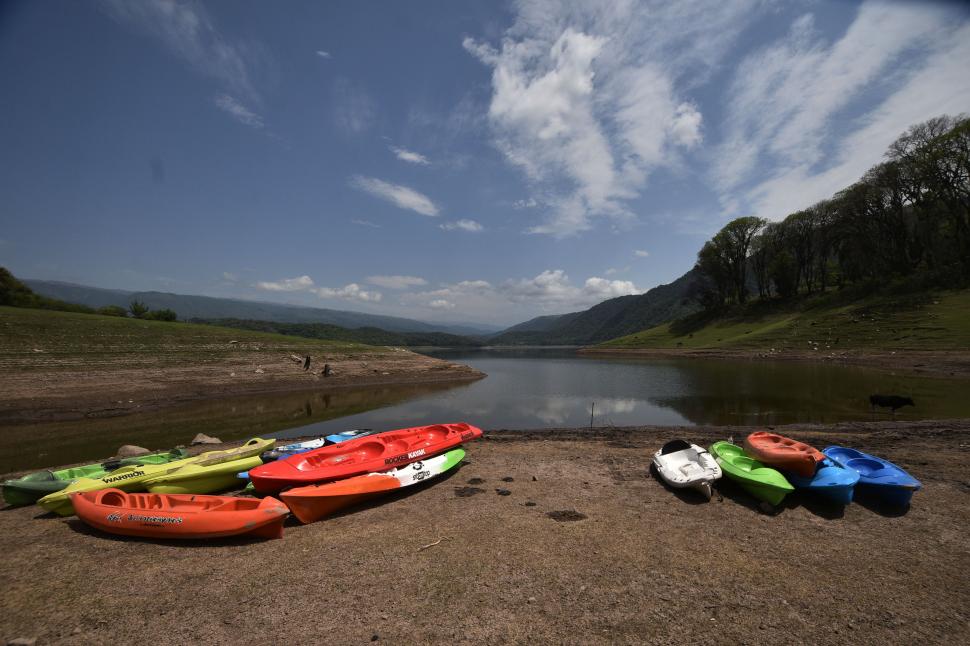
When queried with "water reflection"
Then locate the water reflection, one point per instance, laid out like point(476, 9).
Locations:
point(524, 389)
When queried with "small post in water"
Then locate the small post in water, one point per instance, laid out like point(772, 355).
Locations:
point(591, 410)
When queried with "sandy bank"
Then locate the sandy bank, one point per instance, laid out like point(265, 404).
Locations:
point(643, 564)
point(55, 390)
point(951, 363)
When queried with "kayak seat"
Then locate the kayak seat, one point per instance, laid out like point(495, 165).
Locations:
point(673, 446)
point(865, 466)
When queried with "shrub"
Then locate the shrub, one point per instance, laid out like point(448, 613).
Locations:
point(112, 310)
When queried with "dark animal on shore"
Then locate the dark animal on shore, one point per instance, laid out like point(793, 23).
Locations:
point(306, 363)
point(326, 370)
point(889, 401)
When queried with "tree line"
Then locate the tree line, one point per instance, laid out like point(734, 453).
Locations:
point(908, 216)
point(14, 293)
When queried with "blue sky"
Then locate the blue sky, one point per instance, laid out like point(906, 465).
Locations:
point(446, 161)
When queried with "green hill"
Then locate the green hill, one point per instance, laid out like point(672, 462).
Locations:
point(368, 335)
point(608, 319)
point(929, 321)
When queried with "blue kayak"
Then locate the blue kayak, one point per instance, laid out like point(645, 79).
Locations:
point(880, 477)
point(337, 438)
point(831, 480)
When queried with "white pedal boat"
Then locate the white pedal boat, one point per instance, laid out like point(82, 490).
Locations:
point(683, 465)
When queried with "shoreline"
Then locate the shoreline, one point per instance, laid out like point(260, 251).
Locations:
point(546, 535)
point(935, 363)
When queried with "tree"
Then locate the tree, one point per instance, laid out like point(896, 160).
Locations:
point(161, 315)
point(138, 309)
point(712, 265)
point(734, 240)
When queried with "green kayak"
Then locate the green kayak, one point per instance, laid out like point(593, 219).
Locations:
point(34, 486)
point(764, 483)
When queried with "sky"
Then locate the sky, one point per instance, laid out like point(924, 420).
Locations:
point(448, 161)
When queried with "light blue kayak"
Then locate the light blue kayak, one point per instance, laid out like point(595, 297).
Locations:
point(337, 438)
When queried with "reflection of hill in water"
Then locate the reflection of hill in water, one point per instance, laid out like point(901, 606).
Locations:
point(27, 446)
point(753, 393)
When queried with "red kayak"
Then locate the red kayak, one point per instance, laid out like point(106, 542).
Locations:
point(368, 454)
point(153, 515)
point(783, 453)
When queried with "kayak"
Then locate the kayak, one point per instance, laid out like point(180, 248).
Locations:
point(150, 515)
point(287, 450)
point(201, 478)
point(764, 483)
point(831, 481)
point(132, 478)
point(684, 465)
point(319, 501)
point(378, 452)
point(879, 477)
point(34, 486)
point(783, 453)
point(337, 438)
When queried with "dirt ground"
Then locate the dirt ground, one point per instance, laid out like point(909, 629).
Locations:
point(52, 391)
point(951, 363)
point(585, 548)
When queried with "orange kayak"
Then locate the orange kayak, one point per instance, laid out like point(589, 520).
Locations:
point(319, 501)
point(379, 452)
point(783, 453)
point(151, 515)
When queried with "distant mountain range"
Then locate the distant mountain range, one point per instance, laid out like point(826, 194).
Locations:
point(608, 320)
point(207, 307)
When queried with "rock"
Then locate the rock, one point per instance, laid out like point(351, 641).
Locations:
point(476, 481)
point(503, 492)
point(465, 492)
point(22, 641)
point(531, 600)
point(202, 438)
point(566, 515)
point(374, 637)
point(508, 479)
point(77, 630)
point(130, 451)
point(535, 479)
point(530, 504)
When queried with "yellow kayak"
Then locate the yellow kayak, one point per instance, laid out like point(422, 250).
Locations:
point(133, 478)
point(201, 478)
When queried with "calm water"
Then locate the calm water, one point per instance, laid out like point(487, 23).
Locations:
point(524, 389)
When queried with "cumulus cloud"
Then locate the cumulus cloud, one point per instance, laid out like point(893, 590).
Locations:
point(397, 194)
point(287, 284)
point(350, 292)
point(323, 54)
point(441, 304)
point(409, 156)
point(238, 111)
point(588, 99)
point(463, 225)
point(397, 282)
point(640, 253)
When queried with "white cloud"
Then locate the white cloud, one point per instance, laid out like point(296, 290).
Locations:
point(529, 203)
point(640, 253)
point(365, 223)
point(409, 156)
point(187, 31)
point(287, 284)
point(323, 54)
point(229, 277)
point(238, 111)
point(464, 225)
point(788, 102)
point(351, 292)
point(441, 304)
point(397, 282)
point(354, 111)
point(397, 194)
point(588, 99)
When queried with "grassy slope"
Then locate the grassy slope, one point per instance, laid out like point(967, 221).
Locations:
point(939, 321)
point(93, 339)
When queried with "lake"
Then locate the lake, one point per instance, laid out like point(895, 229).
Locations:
point(525, 388)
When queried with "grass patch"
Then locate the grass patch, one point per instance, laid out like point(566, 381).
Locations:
point(92, 340)
point(932, 321)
